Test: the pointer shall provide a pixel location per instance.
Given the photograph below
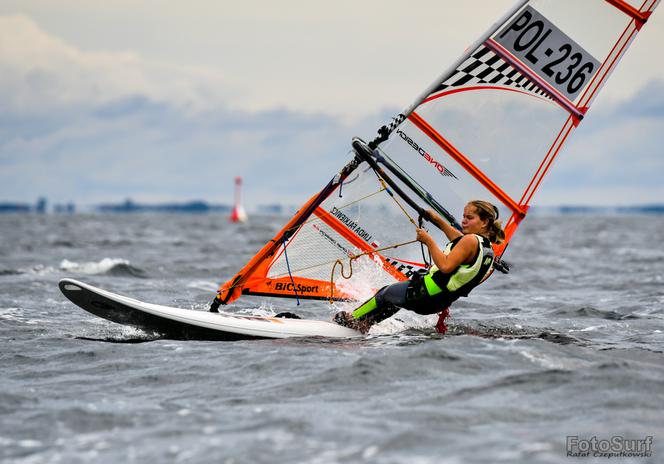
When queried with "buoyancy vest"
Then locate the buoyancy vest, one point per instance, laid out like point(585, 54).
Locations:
point(447, 288)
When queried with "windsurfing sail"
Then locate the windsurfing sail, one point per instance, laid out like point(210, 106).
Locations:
point(488, 128)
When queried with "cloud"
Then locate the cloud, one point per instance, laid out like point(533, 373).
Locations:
point(132, 147)
point(40, 73)
point(94, 127)
point(343, 58)
point(648, 102)
point(615, 156)
point(109, 125)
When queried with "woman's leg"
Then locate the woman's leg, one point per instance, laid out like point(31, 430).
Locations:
point(385, 303)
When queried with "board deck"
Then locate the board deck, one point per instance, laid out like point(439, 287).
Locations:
point(188, 324)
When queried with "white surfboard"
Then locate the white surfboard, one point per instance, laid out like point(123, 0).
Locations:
point(188, 324)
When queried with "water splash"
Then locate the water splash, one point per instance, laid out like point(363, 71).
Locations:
point(108, 266)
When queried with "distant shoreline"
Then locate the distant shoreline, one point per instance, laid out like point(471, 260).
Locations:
point(202, 207)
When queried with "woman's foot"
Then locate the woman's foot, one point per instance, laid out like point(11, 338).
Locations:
point(346, 319)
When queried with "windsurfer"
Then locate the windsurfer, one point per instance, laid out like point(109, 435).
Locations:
point(462, 265)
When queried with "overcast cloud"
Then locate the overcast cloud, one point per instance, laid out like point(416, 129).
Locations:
point(126, 100)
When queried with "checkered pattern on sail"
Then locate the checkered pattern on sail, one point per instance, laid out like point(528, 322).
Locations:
point(484, 67)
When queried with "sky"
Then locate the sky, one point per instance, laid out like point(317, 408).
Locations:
point(168, 101)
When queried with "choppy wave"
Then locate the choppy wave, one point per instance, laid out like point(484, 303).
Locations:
point(484, 330)
point(206, 285)
point(109, 332)
point(590, 312)
point(426, 327)
point(9, 272)
point(107, 266)
point(545, 335)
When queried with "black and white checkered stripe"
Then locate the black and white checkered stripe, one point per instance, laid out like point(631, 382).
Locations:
point(398, 119)
point(485, 67)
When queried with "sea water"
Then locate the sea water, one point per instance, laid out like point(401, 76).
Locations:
point(569, 344)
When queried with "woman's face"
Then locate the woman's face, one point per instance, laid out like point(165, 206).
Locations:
point(472, 224)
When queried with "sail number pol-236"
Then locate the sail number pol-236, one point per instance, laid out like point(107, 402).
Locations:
point(549, 52)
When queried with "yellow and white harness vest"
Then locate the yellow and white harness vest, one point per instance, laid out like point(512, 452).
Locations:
point(464, 278)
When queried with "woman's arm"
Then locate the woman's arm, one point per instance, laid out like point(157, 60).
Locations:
point(463, 253)
point(443, 225)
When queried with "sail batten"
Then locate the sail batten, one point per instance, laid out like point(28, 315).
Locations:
point(547, 161)
point(641, 17)
point(500, 51)
point(465, 162)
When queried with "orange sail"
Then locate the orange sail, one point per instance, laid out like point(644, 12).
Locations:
point(490, 127)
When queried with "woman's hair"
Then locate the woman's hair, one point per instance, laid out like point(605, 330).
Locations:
point(488, 212)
